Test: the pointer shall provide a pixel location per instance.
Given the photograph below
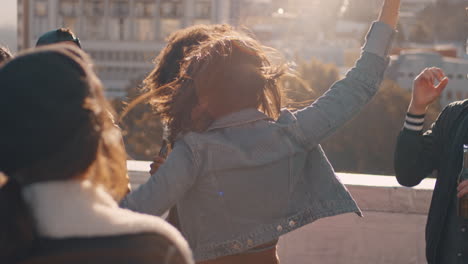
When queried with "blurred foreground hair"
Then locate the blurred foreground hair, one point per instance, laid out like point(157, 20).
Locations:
point(56, 126)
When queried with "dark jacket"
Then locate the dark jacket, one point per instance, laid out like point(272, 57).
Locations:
point(123, 249)
point(438, 150)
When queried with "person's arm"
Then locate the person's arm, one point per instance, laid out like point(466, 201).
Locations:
point(389, 13)
point(348, 96)
point(418, 154)
point(169, 183)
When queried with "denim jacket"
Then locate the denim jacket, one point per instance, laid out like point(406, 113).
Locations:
point(249, 179)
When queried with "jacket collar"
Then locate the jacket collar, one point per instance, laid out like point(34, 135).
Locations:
point(76, 208)
point(238, 118)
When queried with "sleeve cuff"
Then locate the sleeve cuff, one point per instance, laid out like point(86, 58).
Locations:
point(414, 122)
point(379, 39)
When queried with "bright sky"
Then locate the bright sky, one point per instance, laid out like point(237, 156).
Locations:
point(8, 13)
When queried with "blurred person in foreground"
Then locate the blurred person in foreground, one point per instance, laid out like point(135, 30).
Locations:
point(65, 169)
point(66, 36)
point(243, 172)
point(5, 55)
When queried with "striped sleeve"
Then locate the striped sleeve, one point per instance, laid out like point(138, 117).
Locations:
point(414, 122)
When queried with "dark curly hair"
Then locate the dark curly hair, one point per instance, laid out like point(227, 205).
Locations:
point(209, 71)
point(219, 77)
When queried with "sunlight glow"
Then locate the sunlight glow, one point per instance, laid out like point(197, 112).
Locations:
point(344, 6)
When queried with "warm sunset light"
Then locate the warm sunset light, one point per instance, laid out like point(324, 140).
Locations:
point(234, 131)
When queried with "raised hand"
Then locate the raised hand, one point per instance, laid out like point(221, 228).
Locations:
point(389, 12)
point(425, 90)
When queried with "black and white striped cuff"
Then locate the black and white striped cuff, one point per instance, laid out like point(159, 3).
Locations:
point(414, 122)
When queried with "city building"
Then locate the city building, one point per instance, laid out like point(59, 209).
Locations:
point(122, 36)
point(407, 66)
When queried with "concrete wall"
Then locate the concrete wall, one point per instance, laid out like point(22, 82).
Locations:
point(391, 231)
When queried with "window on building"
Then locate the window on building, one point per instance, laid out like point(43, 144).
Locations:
point(450, 76)
point(203, 9)
point(94, 23)
point(145, 8)
point(41, 8)
point(202, 12)
point(69, 8)
point(145, 24)
point(68, 14)
point(41, 20)
point(168, 26)
point(171, 8)
point(171, 14)
point(94, 7)
point(460, 76)
point(119, 22)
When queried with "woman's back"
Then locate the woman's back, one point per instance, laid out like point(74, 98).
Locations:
point(242, 178)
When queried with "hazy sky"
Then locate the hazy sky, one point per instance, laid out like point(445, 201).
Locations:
point(8, 13)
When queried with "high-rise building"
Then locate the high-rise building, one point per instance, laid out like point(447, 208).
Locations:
point(122, 36)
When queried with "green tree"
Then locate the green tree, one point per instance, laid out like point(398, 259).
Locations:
point(420, 33)
point(366, 143)
point(444, 21)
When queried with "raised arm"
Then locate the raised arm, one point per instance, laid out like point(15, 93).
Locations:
point(389, 13)
point(418, 154)
point(349, 95)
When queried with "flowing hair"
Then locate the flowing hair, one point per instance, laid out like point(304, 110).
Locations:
point(220, 77)
point(226, 72)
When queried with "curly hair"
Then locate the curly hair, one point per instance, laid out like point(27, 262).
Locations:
point(168, 62)
point(228, 69)
point(221, 76)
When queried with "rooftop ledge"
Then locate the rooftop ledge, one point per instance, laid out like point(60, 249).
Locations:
point(375, 193)
point(353, 179)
